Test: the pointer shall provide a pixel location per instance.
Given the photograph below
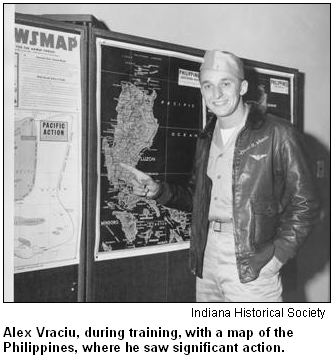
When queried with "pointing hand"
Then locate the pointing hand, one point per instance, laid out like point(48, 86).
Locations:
point(143, 184)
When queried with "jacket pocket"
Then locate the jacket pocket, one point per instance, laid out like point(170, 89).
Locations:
point(265, 218)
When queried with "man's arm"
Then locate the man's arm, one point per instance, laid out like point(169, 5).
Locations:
point(178, 196)
point(302, 208)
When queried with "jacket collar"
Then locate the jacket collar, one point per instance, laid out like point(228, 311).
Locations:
point(254, 121)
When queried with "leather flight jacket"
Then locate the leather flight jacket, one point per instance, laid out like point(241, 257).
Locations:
point(274, 200)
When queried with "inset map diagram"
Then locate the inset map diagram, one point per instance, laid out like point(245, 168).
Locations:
point(45, 222)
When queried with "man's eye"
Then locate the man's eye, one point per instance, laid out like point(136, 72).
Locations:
point(225, 84)
point(207, 87)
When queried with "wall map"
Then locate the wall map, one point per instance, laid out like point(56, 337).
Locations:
point(149, 117)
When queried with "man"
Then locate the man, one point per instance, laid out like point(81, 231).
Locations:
point(251, 192)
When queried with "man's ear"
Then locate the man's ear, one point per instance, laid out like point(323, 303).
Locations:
point(243, 87)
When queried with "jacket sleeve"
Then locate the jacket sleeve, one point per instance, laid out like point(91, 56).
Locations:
point(177, 195)
point(181, 195)
point(301, 207)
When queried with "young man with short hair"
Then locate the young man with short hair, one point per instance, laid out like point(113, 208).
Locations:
point(251, 194)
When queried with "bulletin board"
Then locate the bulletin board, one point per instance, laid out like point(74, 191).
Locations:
point(49, 157)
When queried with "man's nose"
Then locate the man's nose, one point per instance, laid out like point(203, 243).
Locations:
point(217, 92)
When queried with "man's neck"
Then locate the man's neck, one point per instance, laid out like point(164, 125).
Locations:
point(234, 119)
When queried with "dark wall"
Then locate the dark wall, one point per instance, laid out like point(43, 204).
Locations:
point(47, 285)
point(160, 277)
point(152, 278)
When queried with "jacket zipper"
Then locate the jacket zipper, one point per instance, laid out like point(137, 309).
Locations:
point(233, 184)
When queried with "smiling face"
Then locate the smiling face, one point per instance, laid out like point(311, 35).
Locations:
point(222, 92)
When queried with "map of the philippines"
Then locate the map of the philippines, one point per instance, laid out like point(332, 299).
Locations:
point(44, 213)
point(142, 221)
point(134, 132)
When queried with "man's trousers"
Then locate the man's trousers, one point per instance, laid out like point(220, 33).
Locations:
point(221, 282)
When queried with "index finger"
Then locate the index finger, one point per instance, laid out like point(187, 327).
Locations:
point(139, 174)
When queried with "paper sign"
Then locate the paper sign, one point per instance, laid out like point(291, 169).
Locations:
point(189, 78)
point(279, 86)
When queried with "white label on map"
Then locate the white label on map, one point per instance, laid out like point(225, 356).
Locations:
point(279, 86)
point(189, 78)
point(54, 131)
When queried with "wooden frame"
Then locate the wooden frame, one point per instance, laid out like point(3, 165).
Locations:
point(277, 85)
point(69, 277)
point(133, 44)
